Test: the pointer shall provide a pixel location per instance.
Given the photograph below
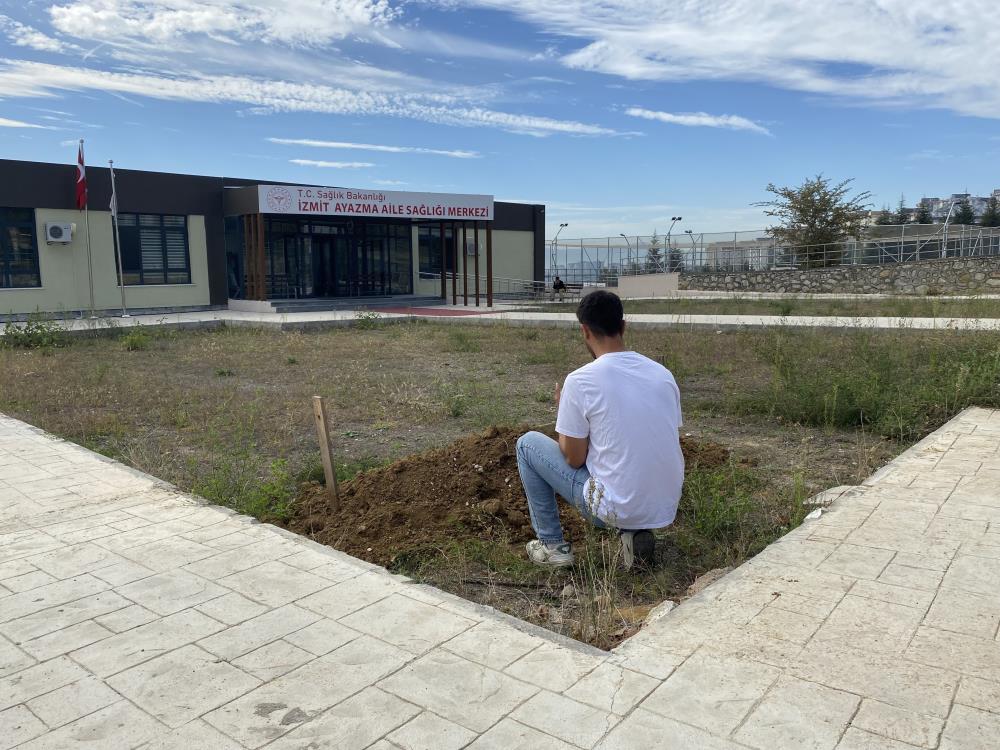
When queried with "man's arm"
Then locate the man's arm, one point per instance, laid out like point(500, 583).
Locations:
point(574, 449)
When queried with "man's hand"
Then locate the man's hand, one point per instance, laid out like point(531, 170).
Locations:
point(557, 394)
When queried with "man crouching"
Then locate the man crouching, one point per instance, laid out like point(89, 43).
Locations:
point(618, 459)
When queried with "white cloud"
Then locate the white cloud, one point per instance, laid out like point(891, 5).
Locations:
point(456, 154)
point(390, 183)
point(304, 23)
point(332, 164)
point(7, 123)
point(928, 53)
point(22, 35)
point(19, 78)
point(699, 120)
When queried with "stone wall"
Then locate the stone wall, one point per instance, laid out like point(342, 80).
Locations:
point(947, 276)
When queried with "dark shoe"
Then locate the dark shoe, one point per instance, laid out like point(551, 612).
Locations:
point(638, 548)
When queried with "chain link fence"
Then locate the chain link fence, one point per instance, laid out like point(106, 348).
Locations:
point(602, 260)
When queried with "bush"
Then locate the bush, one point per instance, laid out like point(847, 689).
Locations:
point(367, 320)
point(36, 333)
point(135, 340)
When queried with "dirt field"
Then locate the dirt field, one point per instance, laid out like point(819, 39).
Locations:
point(227, 414)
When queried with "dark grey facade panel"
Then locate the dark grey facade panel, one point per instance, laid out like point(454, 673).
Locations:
point(538, 227)
point(238, 201)
point(517, 217)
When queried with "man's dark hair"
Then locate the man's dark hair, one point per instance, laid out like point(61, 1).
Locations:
point(601, 311)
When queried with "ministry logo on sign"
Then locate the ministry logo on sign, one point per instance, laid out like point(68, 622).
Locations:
point(279, 200)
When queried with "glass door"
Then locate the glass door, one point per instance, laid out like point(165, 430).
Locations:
point(372, 266)
point(340, 256)
point(323, 266)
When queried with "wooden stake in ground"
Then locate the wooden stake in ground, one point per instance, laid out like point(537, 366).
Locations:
point(319, 412)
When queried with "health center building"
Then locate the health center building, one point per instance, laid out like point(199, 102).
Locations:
point(194, 243)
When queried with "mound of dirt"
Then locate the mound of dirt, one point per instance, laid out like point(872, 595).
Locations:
point(468, 489)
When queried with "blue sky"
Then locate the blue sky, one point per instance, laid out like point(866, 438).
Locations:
point(617, 114)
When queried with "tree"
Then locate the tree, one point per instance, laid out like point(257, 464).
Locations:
point(902, 215)
point(963, 213)
point(654, 258)
point(924, 215)
point(885, 216)
point(816, 213)
point(991, 216)
point(675, 260)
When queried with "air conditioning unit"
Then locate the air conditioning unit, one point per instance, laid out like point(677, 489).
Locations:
point(59, 233)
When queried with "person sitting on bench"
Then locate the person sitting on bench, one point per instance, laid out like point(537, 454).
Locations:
point(618, 459)
point(558, 287)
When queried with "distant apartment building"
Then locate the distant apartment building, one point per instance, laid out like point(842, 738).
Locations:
point(939, 207)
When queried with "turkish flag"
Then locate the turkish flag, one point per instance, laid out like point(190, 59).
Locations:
point(81, 181)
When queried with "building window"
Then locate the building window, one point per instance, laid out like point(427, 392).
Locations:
point(18, 249)
point(154, 249)
point(430, 250)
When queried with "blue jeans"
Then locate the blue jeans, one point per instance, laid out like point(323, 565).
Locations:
point(544, 472)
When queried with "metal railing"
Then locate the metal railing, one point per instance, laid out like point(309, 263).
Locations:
point(603, 260)
point(503, 288)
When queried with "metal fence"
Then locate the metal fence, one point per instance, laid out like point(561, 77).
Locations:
point(503, 288)
point(603, 260)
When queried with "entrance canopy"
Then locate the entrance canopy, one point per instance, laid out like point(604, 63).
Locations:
point(309, 200)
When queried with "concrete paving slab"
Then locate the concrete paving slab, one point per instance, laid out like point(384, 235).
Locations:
point(182, 685)
point(459, 690)
point(799, 714)
point(876, 628)
point(429, 730)
point(277, 707)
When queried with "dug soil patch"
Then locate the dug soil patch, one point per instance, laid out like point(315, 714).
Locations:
point(468, 489)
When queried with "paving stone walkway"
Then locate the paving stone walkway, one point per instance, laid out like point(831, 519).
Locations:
point(508, 314)
point(133, 616)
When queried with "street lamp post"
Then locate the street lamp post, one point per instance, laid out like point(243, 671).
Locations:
point(628, 245)
point(553, 252)
point(694, 247)
point(944, 230)
point(673, 220)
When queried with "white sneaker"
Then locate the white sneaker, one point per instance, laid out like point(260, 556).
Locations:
point(552, 556)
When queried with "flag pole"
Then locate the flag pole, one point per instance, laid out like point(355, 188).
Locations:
point(90, 257)
point(118, 244)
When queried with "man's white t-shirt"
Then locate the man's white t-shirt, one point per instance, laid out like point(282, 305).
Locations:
point(630, 408)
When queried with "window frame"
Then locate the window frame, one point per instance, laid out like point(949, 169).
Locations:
point(30, 224)
point(132, 233)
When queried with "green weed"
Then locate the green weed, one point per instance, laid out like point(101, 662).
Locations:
point(367, 320)
point(35, 333)
point(135, 340)
point(461, 340)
